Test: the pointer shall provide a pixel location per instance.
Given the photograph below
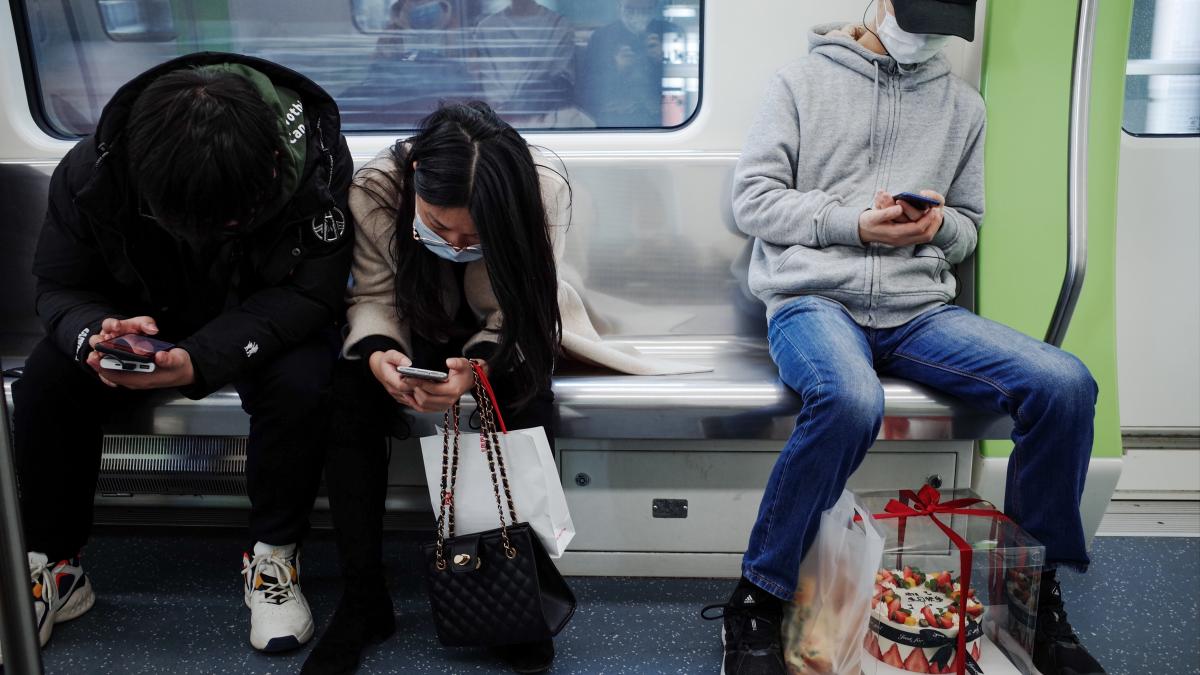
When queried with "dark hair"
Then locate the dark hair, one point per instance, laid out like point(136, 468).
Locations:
point(202, 148)
point(471, 158)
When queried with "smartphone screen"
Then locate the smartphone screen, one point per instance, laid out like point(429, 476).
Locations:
point(134, 347)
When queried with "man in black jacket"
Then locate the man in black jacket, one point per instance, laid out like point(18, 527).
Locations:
point(209, 210)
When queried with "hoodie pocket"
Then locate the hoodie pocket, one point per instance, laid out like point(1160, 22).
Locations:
point(798, 269)
point(920, 270)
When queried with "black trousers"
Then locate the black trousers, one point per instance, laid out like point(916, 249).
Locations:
point(59, 409)
point(356, 468)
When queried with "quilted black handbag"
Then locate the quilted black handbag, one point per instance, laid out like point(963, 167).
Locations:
point(497, 587)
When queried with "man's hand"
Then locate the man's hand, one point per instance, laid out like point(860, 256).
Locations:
point(900, 224)
point(112, 328)
point(171, 369)
point(440, 396)
point(383, 366)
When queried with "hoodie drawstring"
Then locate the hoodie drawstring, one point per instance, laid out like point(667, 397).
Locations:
point(874, 115)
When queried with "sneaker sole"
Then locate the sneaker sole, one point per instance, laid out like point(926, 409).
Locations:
point(82, 599)
point(282, 643)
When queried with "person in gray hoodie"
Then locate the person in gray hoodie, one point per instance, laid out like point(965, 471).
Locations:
point(858, 284)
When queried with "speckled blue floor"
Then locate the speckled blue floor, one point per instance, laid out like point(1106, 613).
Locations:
point(172, 604)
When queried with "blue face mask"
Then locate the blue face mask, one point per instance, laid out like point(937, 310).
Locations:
point(427, 16)
point(441, 248)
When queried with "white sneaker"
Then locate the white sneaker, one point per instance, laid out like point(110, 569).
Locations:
point(279, 615)
point(60, 593)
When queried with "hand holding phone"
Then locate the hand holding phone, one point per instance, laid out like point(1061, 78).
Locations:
point(135, 361)
point(895, 221)
point(131, 352)
point(437, 396)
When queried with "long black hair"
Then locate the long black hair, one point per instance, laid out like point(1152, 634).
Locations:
point(466, 156)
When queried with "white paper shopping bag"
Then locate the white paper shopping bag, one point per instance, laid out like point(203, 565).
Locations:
point(532, 476)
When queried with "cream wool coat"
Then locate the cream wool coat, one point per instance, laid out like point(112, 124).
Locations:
point(372, 309)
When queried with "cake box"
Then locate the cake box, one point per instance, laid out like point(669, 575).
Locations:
point(946, 556)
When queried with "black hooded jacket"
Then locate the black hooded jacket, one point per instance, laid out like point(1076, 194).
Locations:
point(276, 285)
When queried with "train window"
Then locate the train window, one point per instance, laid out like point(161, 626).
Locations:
point(543, 64)
point(137, 20)
point(1162, 82)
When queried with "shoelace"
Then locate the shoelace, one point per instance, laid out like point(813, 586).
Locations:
point(279, 591)
point(40, 574)
point(753, 639)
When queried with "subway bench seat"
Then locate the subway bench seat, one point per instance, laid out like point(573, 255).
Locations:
point(741, 399)
point(663, 474)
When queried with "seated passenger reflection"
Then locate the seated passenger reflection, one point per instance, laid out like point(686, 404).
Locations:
point(420, 61)
point(621, 77)
point(526, 62)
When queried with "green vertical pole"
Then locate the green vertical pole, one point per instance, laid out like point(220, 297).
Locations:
point(1026, 83)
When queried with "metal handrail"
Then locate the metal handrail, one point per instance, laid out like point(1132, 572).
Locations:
point(1077, 186)
point(18, 639)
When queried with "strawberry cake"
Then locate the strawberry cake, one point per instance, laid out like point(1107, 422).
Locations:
point(1021, 603)
point(915, 620)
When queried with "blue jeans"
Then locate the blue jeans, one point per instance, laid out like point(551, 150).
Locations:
point(833, 364)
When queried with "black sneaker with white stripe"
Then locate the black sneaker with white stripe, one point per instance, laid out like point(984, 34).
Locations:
point(750, 631)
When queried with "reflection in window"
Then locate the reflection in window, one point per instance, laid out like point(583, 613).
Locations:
point(144, 20)
point(544, 64)
point(1162, 84)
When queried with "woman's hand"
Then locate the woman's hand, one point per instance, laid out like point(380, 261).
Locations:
point(441, 396)
point(383, 366)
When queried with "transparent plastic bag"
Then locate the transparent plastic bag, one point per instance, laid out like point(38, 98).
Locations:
point(825, 624)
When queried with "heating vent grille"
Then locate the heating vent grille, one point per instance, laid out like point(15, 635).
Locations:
point(173, 465)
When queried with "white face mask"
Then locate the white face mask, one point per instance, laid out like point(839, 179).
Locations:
point(908, 47)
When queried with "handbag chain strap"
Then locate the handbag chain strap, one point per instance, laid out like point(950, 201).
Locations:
point(489, 415)
point(449, 477)
point(489, 445)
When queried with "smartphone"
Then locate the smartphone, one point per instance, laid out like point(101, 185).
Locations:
point(422, 374)
point(919, 201)
point(133, 348)
point(113, 363)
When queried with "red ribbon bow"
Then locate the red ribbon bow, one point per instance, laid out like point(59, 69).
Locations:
point(928, 502)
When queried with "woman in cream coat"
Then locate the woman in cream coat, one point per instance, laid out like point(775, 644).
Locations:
point(454, 259)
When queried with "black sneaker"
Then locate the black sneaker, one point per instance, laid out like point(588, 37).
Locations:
point(1056, 648)
point(750, 632)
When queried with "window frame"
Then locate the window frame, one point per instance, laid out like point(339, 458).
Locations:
point(36, 99)
point(29, 73)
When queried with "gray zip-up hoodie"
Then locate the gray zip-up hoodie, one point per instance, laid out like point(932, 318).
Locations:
point(835, 128)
